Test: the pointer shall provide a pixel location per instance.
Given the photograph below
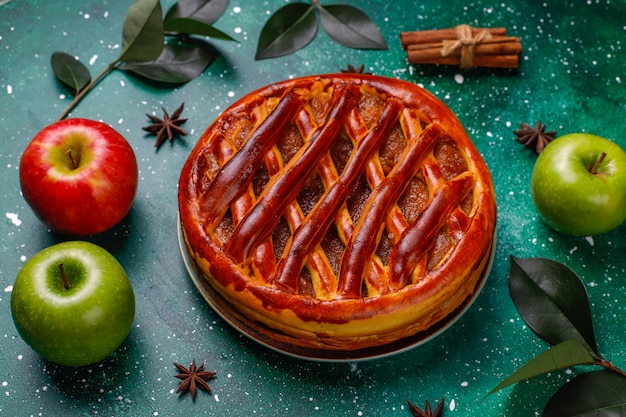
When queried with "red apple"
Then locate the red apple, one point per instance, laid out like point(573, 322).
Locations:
point(79, 176)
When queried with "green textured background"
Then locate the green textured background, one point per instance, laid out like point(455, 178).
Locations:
point(572, 77)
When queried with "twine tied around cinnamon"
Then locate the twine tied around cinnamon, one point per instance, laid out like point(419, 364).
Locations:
point(466, 43)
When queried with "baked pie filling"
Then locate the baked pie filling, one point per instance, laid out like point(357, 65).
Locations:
point(338, 212)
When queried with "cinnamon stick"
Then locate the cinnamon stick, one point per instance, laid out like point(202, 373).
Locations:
point(428, 51)
point(438, 35)
point(488, 61)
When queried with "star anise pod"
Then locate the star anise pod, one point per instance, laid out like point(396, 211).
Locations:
point(536, 136)
point(418, 412)
point(355, 70)
point(193, 378)
point(168, 127)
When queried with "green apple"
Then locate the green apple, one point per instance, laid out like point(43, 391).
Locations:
point(73, 303)
point(578, 184)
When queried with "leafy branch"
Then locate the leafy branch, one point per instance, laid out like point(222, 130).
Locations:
point(154, 47)
point(295, 25)
point(553, 302)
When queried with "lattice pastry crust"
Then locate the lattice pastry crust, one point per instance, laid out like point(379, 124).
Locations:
point(338, 212)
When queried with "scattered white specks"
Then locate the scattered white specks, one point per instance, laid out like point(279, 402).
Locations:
point(9, 288)
point(23, 258)
point(119, 122)
point(237, 30)
point(574, 249)
point(589, 239)
point(86, 16)
point(5, 383)
point(217, 399)
point(459, 78)
point(62, 96)
point(93, 59)
point(236, 9)
point(618, 79)
point(452, 405)
point(14, 219)
point(20, 357)
point(9, 89)
point(464, 383)
point(231, 94)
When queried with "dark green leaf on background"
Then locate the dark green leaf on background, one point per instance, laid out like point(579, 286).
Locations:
point(592, 394)
point(142, 36)
point(177, 64)
point(194, 27)
point(70, 71)
point(206, 11)
point(563, 355)
point(351, 27)
point(552, 300)
point(290, 28)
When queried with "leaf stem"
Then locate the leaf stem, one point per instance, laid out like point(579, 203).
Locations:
point(87, 88)
point(608, 365)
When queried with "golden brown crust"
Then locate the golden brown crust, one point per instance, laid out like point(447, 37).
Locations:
point(339, 211)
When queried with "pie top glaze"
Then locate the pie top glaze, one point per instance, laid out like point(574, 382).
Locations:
point(338, 212)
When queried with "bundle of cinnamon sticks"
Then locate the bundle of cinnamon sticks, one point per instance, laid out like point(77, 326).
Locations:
point(464, 46)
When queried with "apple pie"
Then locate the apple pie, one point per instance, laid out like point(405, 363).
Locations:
point(338, 212)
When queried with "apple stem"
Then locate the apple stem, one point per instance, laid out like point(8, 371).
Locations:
point(73, 161)
point(594, 168)
point(66, 282)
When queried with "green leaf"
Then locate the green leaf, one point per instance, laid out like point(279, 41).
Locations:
point(351, 27)
point(290, 28)
point(70, 71)
point(206, 11)
point(142, 37)
point(564, 355)
point(177, 64)
point(552, 300)
point(592, 394)
point(195, 27)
